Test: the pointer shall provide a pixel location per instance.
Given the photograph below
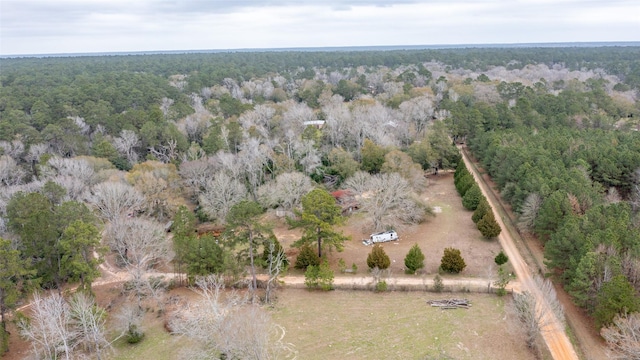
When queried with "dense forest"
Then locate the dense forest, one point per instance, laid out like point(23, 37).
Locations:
point(100, 153)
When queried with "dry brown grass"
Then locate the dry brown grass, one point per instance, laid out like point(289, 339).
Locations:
point(397, 325)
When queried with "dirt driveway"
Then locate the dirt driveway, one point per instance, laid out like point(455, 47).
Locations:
point(553, 333)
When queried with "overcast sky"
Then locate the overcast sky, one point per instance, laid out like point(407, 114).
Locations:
point(83, 26)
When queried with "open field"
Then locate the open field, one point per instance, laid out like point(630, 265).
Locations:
point(397, 325)
point(452, 227)
point(358, 325)
point(362, 324)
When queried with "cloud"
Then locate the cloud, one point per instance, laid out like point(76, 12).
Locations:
point(46, 26)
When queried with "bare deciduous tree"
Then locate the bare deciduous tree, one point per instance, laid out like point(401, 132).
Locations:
point(10, 172)
point(401, 163)
point(623, 337)
point(529, 212)
point(612, 196)
point(276, 261)
point(89, 321)
point(635, 191)
point(126, 144)
point(220, 194)
point(225, 324)
point(535, 316)
point(285, 191)
point(294, 117)
point(76, 167)
point(389, 201)
point(165, 152)
point(228, 163)
point(140, 244)
point(83, 127)
point(259, 119)
point(114, 199)
point(233, 87)
point(160, 185)
point(631, 269)
point(253, 157)
point(35, 152)
point(73, 174)
point(165, 105)
point(308, 156)
point(48, 330)
point(358, 183)
point(418, 112)
point(195, 126)
point(337, 119)
point(196, 173)
point(374, 122)
point(129, 320)
point(15, 149)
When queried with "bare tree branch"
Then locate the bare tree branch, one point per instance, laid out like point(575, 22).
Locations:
point(114, 199)
point(623, 337)
point(228, 325)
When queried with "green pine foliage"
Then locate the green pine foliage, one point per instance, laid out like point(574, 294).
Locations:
point(13, 271)
point(307, 257)
point(465, 182)
point(501, 258)
point(319, 277)
point(472, 197)
point(378, 258)
point(203, 256)
point(372, 156)
point(452, 261)
point(414, 260)
point(381, 286)
point(480, 211)
point(318, 217)
point(461, 169)
point(488, 226)
point(4, 340)
point(615, 297)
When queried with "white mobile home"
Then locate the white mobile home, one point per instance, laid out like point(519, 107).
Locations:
point(381, 237)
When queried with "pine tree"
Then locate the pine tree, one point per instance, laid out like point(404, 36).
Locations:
point(501, 258)
point(488, 226)
point(464, 183)
point(481, 210)
point(13, 269)
point(452, 261)
point(414, 260)
point(472, 197)
point(307, 257)
point(318, 217)
point(616, 296)
point(378, 258)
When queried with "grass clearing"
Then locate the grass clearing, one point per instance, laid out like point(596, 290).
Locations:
point(397, 325)
point(157, 343)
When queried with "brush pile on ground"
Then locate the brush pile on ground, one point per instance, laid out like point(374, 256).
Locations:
point(450, 303)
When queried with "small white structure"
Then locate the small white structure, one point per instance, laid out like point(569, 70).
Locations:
point(381, 237)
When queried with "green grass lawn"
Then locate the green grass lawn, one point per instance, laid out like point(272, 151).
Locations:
point(399, 325)
point(156, 345)
point(367, 325)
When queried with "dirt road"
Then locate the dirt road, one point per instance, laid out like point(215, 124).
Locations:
point(553, 333)
point(405, 282)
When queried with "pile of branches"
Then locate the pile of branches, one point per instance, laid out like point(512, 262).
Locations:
point(450, 303)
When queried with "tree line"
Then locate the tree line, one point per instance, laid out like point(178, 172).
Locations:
point(102, 152)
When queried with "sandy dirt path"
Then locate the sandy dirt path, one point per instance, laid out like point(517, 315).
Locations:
point(553, 333)
point(412, 283)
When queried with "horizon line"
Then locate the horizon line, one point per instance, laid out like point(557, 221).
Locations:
point(584, 44)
